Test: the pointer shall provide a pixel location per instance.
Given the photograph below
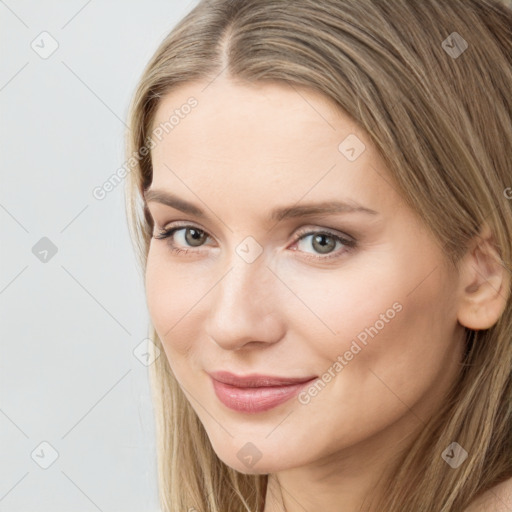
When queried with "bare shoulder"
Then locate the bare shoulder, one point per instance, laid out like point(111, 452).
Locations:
point(496, 499)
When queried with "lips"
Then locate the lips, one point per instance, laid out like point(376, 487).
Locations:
point(257, 380)
point(255, 393)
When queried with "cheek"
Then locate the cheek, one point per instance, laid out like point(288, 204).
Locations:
point(393, 349)
point(158, 292)
point(376, 319)
point(336, 305)
point(176, 297)
point(420, 346)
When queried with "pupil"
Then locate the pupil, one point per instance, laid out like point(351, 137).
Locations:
point(197, 236)
point(323, 247)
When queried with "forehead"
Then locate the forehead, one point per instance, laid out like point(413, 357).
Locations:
point(285, 117)
point(262, 139)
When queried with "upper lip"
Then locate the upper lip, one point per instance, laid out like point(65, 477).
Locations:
point(255, 380)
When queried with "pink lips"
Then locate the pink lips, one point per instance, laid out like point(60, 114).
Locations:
point(255, 393)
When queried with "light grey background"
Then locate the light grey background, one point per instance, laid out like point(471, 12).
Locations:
point(69, 324)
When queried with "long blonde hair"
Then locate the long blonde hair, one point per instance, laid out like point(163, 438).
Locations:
point(438, 106)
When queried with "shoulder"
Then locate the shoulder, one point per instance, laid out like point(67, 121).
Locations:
point(496, 499)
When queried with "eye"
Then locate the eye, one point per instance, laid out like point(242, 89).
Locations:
point(191, 236)
point(324, 242)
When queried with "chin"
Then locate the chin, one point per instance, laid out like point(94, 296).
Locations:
point(240, 461)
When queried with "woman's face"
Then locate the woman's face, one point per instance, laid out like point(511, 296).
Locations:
point(356, 296)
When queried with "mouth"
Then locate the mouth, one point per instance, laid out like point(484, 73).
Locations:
point(256, 393)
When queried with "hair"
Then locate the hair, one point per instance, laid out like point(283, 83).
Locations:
point(443, 125)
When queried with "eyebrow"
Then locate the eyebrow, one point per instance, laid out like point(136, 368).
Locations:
point(278, 214)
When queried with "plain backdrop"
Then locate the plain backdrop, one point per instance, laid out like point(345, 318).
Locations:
point(76, 419)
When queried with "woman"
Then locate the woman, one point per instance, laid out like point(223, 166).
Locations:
point(321, 204)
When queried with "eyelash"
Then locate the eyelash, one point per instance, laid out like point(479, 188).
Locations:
point(349, 243)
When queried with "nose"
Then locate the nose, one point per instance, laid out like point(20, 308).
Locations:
point(245, 307)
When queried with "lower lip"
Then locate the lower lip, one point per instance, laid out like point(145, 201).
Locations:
point(253, 400)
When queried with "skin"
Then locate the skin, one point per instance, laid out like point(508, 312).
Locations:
point(242, 151)
point(497, 499)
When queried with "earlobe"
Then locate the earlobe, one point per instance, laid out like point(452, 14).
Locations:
point(484, 283)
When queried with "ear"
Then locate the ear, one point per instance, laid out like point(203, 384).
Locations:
point(484, 283)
